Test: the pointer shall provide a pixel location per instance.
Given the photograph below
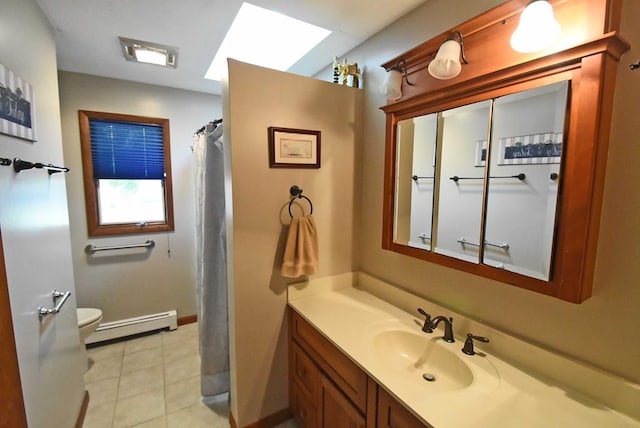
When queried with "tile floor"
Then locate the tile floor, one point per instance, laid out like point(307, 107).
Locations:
point(151, 382)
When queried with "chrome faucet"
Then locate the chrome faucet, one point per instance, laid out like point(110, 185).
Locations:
point(448, 327)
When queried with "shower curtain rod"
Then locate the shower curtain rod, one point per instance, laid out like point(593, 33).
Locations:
point(203, 127)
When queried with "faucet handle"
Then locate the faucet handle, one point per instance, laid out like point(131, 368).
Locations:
point(468, 344)
point(426, 327)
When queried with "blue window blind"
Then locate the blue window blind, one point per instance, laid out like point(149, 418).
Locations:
point(126, 150)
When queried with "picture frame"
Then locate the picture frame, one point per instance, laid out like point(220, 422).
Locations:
point(293, 148)
point(17, 101)
point(543, 148)
point(533, 149)
point(481, 152)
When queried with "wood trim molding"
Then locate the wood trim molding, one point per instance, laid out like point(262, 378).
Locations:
point(83, 410)
point(13, 413)
point(189, 319)
point(266, 422)
point(94, 228)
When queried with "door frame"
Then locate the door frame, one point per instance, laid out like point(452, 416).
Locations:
point(13, 414)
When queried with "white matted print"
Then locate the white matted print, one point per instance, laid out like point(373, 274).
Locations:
point(542, 148)
point(294, 148)
point(481, 152)
point(17, 106)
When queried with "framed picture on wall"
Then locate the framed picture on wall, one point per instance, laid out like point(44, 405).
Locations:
point(531, 149)
point(293, 148)
point(481, 152)
point(17, 101)
point(541, 148)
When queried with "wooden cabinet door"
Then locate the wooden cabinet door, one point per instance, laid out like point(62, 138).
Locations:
point(302, 407)
point(392, 414)
point(335, 410)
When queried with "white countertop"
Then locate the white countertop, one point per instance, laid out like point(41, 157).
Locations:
point(500, 394)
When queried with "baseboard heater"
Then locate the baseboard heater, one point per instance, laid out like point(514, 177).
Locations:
point(131, 326)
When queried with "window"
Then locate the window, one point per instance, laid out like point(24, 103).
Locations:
point(127, 173)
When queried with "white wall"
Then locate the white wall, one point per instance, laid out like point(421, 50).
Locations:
point(522, 213)
point(256, 99)
point(601, 331)
point(460, 204)
point(125, 286)
point(422, 190)
point(35, 230)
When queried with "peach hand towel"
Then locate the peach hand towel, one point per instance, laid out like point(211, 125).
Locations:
point(301, 249)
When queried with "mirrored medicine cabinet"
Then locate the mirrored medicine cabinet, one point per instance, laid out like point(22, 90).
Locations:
point(499, 173)
point(442, 174)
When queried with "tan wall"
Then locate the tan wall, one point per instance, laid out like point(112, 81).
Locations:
point(259, 98)
point(122, 286)
point(602, 331)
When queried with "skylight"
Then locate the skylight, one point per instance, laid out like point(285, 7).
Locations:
point(265, 38)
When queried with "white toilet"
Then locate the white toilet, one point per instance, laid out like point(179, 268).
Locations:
point(88, 321)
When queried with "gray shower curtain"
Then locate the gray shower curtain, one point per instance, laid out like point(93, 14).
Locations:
point(211, 261)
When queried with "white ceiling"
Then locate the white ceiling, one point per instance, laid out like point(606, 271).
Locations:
point(87, 31)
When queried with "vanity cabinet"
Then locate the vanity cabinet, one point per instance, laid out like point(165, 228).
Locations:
point(328, 390)
point(392, 414)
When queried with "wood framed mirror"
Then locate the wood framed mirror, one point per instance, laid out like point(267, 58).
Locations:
point(511, 153)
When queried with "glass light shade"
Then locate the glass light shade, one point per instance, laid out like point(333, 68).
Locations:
point(537, 29)
point(446, 64)
point(392, 86)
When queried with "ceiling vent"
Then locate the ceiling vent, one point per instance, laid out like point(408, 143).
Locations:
point(148, 53)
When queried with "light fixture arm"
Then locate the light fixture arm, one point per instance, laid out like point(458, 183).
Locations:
point(460, 40)
point(401, 66)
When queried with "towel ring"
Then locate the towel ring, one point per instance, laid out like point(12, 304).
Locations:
point(296, 193)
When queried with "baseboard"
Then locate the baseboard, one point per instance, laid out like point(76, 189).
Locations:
point(187, 320)
point(83, 410)
point(132, 326)
point(267, 422)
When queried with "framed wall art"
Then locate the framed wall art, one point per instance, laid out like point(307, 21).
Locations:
point(531, 149)
point(293, 148)
point(17, 106)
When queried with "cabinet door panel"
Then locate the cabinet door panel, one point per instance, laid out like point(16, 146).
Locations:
point(392, 414)
point(302, 407)
point(340, 369)
point(304, 371)
point(336, 411)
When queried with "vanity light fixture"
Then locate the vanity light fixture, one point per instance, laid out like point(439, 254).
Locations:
point(392, 86)
point(148, 53)
point(537, 29)
point(446, 64)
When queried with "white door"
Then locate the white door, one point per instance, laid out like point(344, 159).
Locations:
point(37, 250)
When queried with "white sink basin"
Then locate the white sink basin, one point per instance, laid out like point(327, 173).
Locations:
point(424, 355)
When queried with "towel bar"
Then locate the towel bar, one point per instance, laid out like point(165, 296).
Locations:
point(90, 249)
point(503, 246)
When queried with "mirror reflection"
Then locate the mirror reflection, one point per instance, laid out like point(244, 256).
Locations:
point(444, 205)
point(464, 130)
point(415, 172)
point(526, 139)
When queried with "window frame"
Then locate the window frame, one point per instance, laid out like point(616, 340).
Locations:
point(94, 228)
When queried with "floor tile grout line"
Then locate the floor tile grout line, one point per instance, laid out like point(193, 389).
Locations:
point(121, 357)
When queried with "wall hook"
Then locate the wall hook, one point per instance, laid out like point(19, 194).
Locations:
point(635, 66)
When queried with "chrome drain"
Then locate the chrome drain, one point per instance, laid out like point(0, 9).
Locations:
point(428, 377)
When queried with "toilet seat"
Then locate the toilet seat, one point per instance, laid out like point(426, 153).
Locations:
point(87, 316)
